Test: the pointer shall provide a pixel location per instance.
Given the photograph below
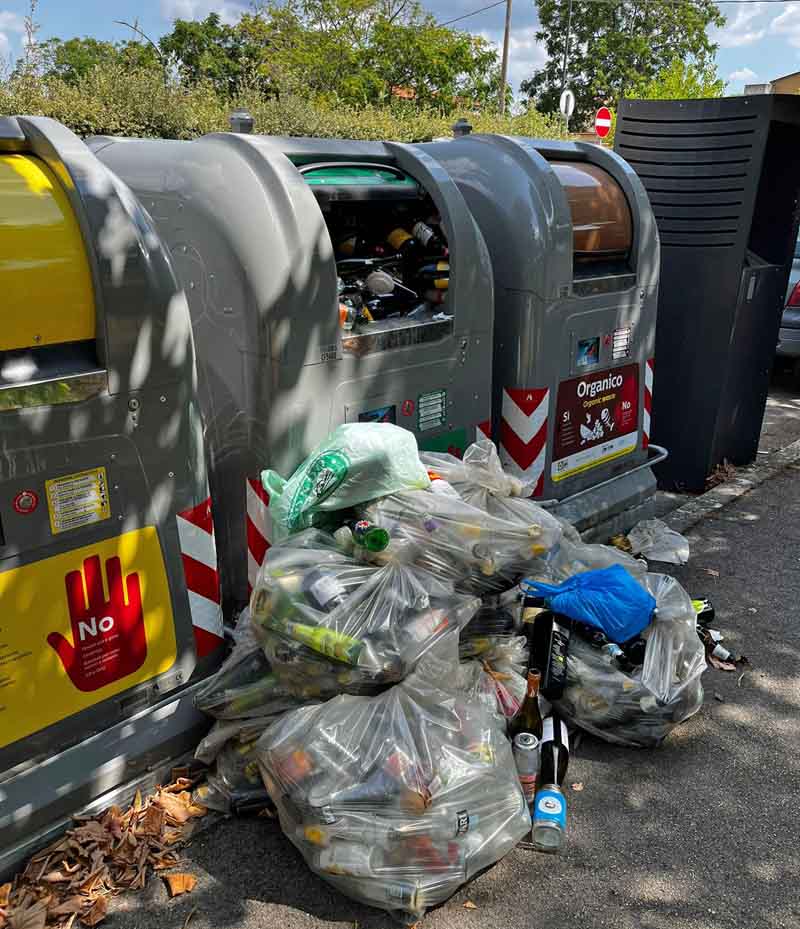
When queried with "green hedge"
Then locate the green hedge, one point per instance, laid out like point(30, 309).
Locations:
point(116, 101)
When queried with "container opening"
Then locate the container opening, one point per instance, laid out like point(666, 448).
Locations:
point(602, 225)
point(392, 255)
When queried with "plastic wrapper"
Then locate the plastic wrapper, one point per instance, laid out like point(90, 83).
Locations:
point(356, 463)
point(639, 707)
point(336, 625)
point(481, 553)
point(654, 540)
point(397, 800)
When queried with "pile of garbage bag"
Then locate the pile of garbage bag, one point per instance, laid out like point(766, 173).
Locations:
point(399, 629)
point(400, 798)
point(632, 704)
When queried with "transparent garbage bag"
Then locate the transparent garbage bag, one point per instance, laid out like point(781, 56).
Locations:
point(499, 614)
point(398, 799)
point(356, 463)
point(235, 784)
point(639, 707)
point(654, 540)
point(481, 553)
point(503, 663)
point(571, 556)
point(338, 625)
point(246, 685)
point(479, 479)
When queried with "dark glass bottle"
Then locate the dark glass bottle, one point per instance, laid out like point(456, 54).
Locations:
point(550, 648)
point(529, 718)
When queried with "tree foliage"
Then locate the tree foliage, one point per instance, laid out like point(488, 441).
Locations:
point(616, 46)
point(681, 80)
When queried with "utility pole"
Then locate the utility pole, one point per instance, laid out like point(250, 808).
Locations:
point(504, 64)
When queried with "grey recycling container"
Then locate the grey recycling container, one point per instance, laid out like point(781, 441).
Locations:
point(575, 257)
point(109, 588)
point(261, 231)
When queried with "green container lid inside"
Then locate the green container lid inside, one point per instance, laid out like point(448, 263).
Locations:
point(358, 176)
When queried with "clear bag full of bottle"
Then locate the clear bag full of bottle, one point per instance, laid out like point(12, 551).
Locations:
point(400, 798)
point(329, 622)
point(639, 705)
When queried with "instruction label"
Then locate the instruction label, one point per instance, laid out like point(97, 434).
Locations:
point(596, 420)
point(78, 500)
point(80, 627)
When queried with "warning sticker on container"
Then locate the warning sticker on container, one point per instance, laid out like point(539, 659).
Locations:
point(596, 420)
point(431, 410)
point(78, 500)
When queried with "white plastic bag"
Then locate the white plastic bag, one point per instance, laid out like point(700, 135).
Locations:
point(653, 539)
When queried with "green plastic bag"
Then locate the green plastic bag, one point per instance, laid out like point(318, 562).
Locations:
point(356, 463)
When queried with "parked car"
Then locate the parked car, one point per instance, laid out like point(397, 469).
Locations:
point(789, 335)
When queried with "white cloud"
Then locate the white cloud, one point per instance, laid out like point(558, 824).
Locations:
point(741, 30)
point(229, 10)
point(788, 24)
point(525, 54)
point(742, 75)
point(11, 22)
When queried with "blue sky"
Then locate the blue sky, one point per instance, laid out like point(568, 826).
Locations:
point(760, 41)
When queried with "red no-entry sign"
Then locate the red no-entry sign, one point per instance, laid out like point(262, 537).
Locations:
point(602, 122)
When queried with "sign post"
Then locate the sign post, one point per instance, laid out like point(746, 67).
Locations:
point(602, 122)
point(567, 105)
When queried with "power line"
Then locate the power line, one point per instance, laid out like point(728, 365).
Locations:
point(491, 6)
point(483, 9)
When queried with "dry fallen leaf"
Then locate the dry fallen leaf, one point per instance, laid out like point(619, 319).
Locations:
point(5, 893)
point(194, 910)
point(711, 572)
point(469, 905)
point(29, 917)
point(578, 785)
point(180, 883)
point(73, 904)
point(153, 822)
point(174, 807)
point(97, 913)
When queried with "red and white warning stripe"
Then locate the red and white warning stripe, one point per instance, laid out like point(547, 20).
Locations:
point(259, 529)
point(523, 434)
point(648, 401)
point(199, 556)
point(483, 430)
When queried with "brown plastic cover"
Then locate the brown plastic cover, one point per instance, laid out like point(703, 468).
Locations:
point(601, 218)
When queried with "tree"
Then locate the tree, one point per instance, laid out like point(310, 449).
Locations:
point(681, 80)
point(71, 59)
point(209, 50)
point(615, 46)
point(361, 51)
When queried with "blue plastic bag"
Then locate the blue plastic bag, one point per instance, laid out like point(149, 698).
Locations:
point(610, 599)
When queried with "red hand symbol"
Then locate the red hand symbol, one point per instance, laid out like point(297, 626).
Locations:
point(108, 636)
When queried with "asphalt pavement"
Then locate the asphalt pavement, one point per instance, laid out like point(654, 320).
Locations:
point(701, 832)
